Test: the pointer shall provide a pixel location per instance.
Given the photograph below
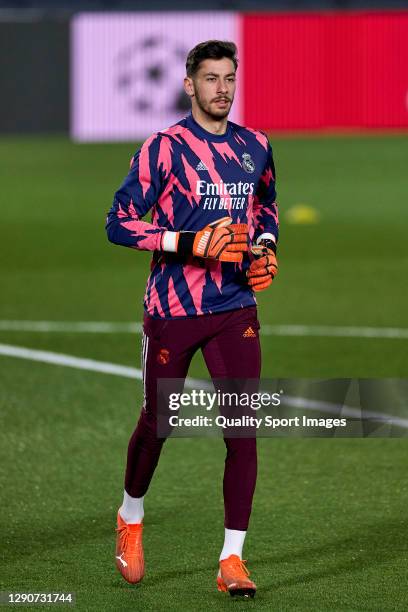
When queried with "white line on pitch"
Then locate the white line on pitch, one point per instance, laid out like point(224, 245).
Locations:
point(107, 327)
point(334, 331)
point(80, 363)
point(105, 367)
point(93, 327)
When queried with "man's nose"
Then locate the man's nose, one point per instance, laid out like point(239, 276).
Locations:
point(222, 87)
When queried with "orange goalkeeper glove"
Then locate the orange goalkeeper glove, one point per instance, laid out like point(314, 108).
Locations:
point(221, 239)
point(263, 269)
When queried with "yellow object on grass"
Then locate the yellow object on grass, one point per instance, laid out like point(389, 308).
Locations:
point(302, 214)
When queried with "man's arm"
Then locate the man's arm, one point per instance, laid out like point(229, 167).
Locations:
point(137, 195)
point(265, 208)
point(264, 266)
point(149, 171)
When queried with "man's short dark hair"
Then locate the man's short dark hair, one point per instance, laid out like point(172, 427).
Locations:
point(210, 49)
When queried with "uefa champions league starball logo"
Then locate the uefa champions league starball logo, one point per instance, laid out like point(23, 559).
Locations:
point(149, 74)
point(248, 163)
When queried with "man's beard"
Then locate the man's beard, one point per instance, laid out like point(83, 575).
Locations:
point(206, 108)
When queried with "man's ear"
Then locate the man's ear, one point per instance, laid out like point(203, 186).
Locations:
point(189, 87)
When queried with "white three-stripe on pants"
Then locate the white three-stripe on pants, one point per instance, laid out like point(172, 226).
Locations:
point(145, 348)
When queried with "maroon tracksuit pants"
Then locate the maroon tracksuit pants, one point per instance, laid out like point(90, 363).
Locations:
point(230, 345)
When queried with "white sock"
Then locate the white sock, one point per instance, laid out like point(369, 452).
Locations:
point(233, 543)
point(132, 509)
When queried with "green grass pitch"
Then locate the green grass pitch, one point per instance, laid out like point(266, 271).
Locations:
point(329, 524)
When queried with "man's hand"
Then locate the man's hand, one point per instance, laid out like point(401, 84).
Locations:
point(221, 240)
point(263, 269)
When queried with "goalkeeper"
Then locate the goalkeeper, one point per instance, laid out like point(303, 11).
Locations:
point(210, 187)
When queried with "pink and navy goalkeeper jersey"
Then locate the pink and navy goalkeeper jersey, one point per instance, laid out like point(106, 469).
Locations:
point(187, 177)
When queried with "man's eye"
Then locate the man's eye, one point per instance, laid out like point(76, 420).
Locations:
point(231, 80)
point(211, 79)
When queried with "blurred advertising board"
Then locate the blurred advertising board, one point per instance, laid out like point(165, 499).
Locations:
point(127, 70)
point(326, 70)
point(311, 71)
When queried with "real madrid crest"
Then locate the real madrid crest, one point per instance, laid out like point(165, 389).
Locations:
point(248, 163)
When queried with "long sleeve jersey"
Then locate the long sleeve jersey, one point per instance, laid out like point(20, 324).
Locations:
point(188, 177)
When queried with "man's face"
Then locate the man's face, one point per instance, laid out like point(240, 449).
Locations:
point(213, 87)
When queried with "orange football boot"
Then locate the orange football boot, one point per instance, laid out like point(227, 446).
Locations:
point(233, 577)
point(129, 550)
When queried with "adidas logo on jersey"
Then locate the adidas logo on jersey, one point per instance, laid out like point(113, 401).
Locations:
point(249, 333)
point(201, 166)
